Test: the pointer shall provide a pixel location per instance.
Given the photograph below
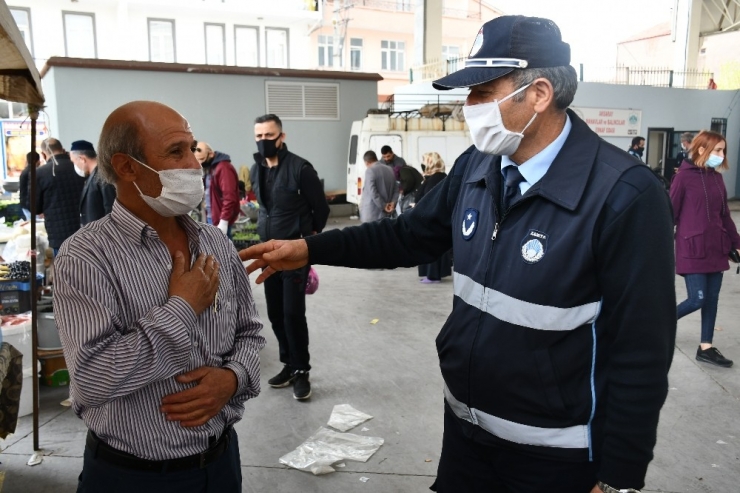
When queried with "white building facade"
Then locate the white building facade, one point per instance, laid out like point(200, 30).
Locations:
point(249, 33)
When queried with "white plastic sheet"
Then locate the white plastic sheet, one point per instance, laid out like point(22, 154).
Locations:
point(345, 417)
point(326, 447)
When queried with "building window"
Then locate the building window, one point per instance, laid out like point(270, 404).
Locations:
point(277, 47)
point(355, 53)
point(326, 51)
point(162, 40)
point(215, 44)
point(403, 5)
point(719, 125)
point(391, 55)
point(79, 35)
point(22, 18)
point(247, 46)
point(450, 52)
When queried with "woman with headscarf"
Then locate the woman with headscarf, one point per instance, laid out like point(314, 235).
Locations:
point(434, 173)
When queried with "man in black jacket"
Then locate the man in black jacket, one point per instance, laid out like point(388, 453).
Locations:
point(556, 354)
point(292, 205)
point(97, 196)
point(59, 192)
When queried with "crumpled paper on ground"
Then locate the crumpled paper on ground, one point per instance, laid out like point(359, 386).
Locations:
point(345, 417)
point(326, 447)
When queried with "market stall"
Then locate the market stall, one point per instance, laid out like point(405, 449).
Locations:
point(20, 82)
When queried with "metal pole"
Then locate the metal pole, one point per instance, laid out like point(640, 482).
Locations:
point(34, 114)
point(581, 72)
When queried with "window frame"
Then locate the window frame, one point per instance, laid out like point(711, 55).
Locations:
point(328, 48)
point(257, 37)
point(287, 45)
point(356, 48)
point(95, 31)
point(387, 52)
point(27, 10)
point(223, 40)
point(149, 36)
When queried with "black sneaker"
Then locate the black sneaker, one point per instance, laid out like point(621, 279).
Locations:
point(713, 356)
point(282, 379)
point(301, 385)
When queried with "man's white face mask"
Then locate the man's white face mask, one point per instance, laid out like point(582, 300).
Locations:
point(182, 191)
point(487, 127)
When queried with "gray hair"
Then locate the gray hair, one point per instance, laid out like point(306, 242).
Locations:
point(564, 82)
point(121, 138)
point(687, 137)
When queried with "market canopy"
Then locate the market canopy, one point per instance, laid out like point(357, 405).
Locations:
point(19, 79)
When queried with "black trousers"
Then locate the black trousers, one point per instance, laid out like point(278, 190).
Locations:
point(285, 293)
point(224, 475)
point(469, 466)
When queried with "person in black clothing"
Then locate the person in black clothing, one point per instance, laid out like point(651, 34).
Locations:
point(292, 205)
point(24, 183)
point(434, 174)
point(637, 148)
point(59, 192)
point(556, 354)
point(97, 197)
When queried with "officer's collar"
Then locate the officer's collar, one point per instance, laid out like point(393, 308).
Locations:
point(565, 181)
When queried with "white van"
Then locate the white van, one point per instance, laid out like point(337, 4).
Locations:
point(410, 135)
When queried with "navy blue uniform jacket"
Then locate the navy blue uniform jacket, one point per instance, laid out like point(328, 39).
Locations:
point(564, 314)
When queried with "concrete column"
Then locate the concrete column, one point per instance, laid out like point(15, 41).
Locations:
point(685, 35)
point(427, 32)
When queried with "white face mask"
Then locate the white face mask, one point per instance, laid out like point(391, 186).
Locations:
point(79, 171)
point(182, 191)
point(487, 127)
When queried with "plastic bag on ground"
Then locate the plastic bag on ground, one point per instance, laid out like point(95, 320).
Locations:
point(345, 417)
point(326, 447)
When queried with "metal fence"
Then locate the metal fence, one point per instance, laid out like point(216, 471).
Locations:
point(647, 76)
point(639, 76)
point(409, 6)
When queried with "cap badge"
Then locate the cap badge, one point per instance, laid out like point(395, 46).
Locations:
point(477, 44)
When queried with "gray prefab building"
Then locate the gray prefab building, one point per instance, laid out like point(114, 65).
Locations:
point(221, 103)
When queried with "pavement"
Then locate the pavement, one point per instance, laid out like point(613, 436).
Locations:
point(390, 370)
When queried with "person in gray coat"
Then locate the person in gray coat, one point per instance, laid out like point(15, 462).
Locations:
point(379, 192)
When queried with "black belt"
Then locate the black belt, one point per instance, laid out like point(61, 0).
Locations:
point(108, 454)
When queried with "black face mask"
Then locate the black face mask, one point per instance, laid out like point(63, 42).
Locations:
point(639, 151)
point(267, 148)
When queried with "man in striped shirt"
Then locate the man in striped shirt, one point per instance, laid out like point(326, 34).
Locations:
point(157, 320)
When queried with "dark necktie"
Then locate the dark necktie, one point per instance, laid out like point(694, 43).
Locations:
point(511, 186)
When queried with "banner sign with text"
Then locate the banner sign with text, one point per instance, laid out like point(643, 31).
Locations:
point(608, 122)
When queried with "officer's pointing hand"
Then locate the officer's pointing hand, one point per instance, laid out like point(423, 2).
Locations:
point(275, 255)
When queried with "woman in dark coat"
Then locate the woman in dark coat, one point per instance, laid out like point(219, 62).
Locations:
point(705, 235)
point(434, 173)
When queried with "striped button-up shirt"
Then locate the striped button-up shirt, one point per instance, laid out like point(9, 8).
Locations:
point(125, 339)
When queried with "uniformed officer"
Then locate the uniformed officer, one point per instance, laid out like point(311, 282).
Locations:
point(556, 353)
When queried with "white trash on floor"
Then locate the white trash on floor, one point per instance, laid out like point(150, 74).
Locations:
point(326, 447)
point(345, 417)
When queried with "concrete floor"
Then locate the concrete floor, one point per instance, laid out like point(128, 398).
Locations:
point(390, 371)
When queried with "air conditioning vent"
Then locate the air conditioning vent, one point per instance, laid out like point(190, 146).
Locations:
point(303, 101)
